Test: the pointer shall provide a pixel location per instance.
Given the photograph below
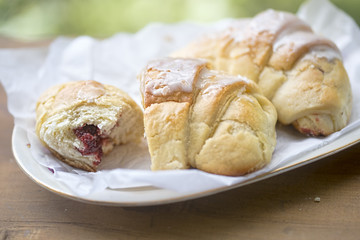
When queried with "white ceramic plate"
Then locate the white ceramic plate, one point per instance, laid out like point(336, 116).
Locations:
point(150, 195)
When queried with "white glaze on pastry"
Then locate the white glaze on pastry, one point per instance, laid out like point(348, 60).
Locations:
point(299, 71)
point(223, 126)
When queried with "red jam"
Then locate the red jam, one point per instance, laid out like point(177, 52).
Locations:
point(311, 133)
point(89, 135)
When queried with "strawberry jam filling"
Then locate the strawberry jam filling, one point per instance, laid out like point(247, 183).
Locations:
point(89, 135)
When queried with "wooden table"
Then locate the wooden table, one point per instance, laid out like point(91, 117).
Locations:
point(282, 207)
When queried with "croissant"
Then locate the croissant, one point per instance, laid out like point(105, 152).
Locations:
point(81, 121)
point(201, 118)
point(300, 72)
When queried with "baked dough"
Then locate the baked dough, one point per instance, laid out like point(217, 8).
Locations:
point(300, 72)
point(82, 120)
point(201, 118)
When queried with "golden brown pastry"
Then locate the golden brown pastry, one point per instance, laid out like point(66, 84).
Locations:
point(300, 72)
point(201, 118)
point(80, 121)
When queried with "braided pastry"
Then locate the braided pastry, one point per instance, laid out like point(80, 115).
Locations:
point(300, 72)
point(201, 118)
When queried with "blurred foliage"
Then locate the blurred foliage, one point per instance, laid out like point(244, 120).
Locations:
point(31, 19)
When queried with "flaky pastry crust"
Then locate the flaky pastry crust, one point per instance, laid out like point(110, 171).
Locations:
point(82, 120)
point(201, 118)
point(299, 71)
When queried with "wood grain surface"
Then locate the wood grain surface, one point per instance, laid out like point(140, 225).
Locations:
point(318, 201)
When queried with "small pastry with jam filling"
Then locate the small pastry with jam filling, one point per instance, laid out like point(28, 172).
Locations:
point(81, 121)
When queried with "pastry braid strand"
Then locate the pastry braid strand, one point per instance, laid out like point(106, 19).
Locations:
point(300, 72)
point(201, 118)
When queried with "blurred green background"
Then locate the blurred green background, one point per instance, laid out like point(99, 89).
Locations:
point(37, 19)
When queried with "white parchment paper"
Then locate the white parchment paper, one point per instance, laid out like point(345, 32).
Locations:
point(26, 73)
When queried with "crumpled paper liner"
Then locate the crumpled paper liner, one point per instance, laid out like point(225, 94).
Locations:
point(26, 73)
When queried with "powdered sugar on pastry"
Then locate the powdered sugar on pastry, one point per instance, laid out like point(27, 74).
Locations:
point(298, 70)
point(173, 76)
point(210, 81)
point(223, 126)
point(320, 51)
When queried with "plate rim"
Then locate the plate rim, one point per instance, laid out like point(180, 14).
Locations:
point(175, 196)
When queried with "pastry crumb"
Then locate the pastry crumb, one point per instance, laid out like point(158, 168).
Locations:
point(28, 145)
